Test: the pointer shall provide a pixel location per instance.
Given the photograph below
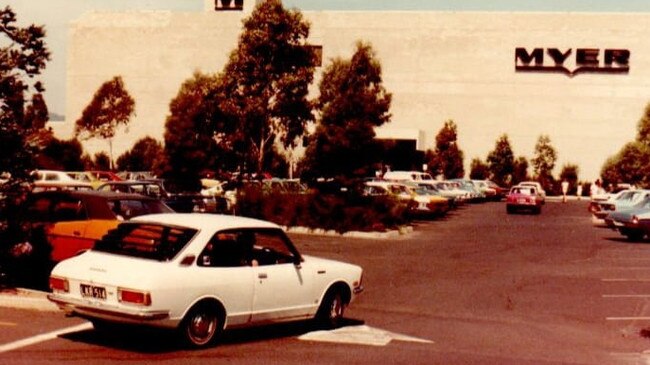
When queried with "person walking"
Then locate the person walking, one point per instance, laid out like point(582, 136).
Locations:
point(565, 189)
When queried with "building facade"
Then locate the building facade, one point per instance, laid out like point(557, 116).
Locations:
point(583, 79)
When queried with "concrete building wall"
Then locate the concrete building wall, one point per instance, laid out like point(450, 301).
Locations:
point(437, 65)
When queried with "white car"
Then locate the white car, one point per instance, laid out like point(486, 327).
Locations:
point(201, 274)
point(536, 185)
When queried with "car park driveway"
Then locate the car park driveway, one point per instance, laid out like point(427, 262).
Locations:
point(477, 287)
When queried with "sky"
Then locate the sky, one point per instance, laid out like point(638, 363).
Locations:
point(55, 15)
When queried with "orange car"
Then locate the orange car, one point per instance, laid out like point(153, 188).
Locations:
point(73, 220)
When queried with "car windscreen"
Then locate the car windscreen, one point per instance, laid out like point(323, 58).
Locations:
point(145, 240)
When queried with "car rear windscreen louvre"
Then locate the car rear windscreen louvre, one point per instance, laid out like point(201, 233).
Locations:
point(149, 241)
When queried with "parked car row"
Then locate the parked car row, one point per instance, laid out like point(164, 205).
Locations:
point(137, 183)
point(627, 212)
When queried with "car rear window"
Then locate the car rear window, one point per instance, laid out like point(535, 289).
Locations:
point(149, 241)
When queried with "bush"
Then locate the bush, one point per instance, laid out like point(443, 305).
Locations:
point(341, 212)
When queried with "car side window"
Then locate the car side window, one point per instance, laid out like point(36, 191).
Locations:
point(67, 210)
point(228, 249)
point(271, 248)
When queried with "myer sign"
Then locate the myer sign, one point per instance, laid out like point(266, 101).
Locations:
point(572, 62)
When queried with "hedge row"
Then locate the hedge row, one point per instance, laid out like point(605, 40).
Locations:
point(329, 211)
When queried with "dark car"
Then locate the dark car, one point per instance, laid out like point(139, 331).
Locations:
point(181, 202)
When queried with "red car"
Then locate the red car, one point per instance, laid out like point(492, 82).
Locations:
point(523, 198)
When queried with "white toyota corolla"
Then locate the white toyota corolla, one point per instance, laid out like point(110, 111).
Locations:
point(201, 274)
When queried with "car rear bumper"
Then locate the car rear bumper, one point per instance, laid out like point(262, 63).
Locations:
point(85, 309)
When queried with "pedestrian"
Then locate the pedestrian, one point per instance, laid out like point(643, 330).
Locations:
point(565, 189)
point(579, 191)
point(595, 188)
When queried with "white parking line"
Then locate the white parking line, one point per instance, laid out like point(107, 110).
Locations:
point(619, 280)
point(628, 318)
point(626, 295)
point(43, 337)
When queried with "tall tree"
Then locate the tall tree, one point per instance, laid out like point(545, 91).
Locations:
point(190, 141)
point(266, 84)
point(110, 107)
point(643, 127)
point(23, 55)
point(447, 157)
point(520, 171)
point(544, 161)
point(501, 161)
point(352, 102)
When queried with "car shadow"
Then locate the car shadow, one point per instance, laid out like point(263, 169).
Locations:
point(626, 240)
point(157, 341)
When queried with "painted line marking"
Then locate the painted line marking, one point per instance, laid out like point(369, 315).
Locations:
point(626, 295)
point(619, 280)
point(8, 324)
point(627, 318)
point(359, 335)
point(44, 337)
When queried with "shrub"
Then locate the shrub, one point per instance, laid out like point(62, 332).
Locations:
point(341, 212)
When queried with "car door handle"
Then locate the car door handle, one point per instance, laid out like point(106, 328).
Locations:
point(262, 275)
point(76, 233)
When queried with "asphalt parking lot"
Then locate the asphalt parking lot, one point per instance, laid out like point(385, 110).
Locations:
point(477, 287)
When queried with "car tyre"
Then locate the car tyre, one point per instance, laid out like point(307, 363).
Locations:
point(201, 326)
point(634, 235)
point(510, 210)
point(330, 312)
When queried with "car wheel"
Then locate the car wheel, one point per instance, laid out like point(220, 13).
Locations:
point(537, 210)
point(510, 210)
point(634, 235)
point(330, 312)
point(201, 326)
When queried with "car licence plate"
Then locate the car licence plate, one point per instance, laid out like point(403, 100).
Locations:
point(91, 291)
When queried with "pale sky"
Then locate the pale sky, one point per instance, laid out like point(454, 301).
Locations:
point(55, 15)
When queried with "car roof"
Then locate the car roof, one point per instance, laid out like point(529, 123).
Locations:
point(205, 221)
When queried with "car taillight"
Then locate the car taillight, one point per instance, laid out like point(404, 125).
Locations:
point(131, 296)
point(59, 284)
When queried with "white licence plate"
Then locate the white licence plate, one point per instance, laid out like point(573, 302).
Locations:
point(91, 291)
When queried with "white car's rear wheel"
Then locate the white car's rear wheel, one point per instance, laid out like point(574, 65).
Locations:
point(201, 326)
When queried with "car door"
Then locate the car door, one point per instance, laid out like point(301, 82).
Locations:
point(227, 276)
point(283, 289)
point(67, 231)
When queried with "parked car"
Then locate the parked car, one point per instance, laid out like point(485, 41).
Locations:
point(182, 202)
point(632, 223)
point(621, 201)
point(538, 187)
point(523, 198)
point(71, 221)
point(202, 274)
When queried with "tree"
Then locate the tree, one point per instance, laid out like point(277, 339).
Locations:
point(265, 85)
point(630, 165)
point(352, 103)
point(146, 155)
point(643, 127)
point(190, 140)
point(61, 155)
point(520, 171)
point(479, 170)
point(544, 161)
point(110, 107)
point(23, 55)
point(447, 157)
point(501, 161)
